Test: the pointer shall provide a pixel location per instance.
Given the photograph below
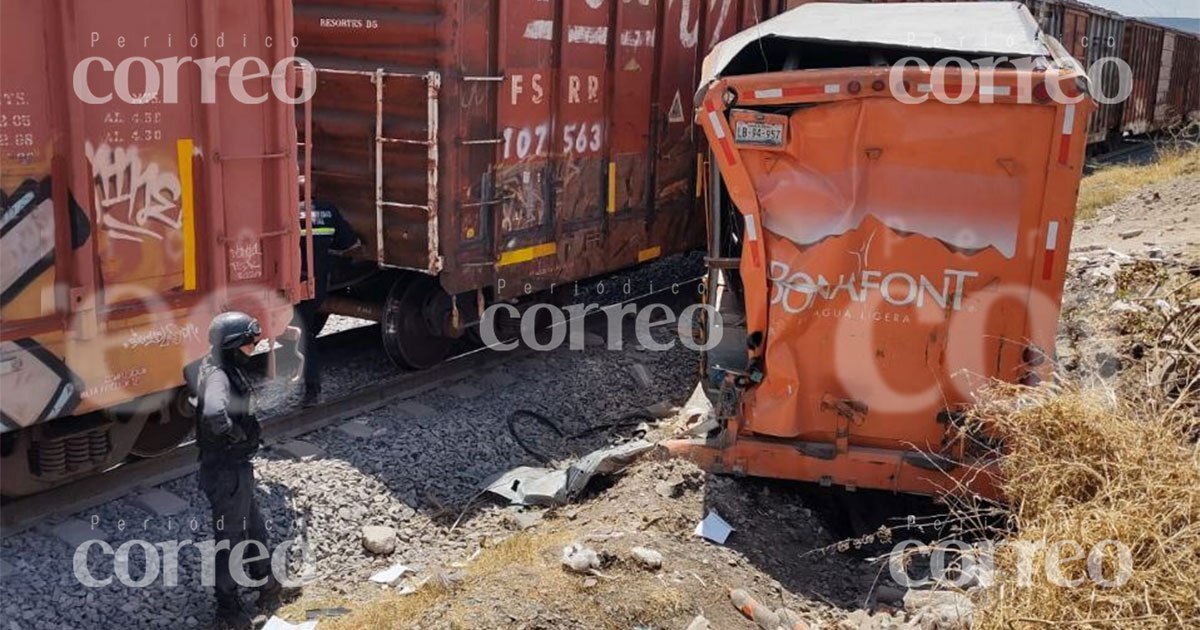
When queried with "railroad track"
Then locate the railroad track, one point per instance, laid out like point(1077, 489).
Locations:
point(24, 513)
point(21, 514)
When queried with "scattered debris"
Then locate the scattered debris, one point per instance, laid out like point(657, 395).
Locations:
point(391, 575)
point(277, 623)
point(1128, 234)
point(543, 486)
point(714, 528)
point(699, 623)
point(580, 559)
point(648, 558)
point(939, 609)
point(379, 540)
point(765, 618)
point(326, 613)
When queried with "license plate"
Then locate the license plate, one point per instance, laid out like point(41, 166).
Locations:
point(758, 133)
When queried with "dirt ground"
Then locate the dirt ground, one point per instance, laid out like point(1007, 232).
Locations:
point(792, 545)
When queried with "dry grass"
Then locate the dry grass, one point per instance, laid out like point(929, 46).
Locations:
point(520, 578)
point(1090, 467)
point(1111, 184)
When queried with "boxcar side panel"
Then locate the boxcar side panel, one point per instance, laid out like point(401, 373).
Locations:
point(1142, 50)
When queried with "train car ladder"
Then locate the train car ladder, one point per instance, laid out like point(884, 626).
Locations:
point(433, 83)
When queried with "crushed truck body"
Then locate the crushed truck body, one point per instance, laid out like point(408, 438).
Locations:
point(886, 236)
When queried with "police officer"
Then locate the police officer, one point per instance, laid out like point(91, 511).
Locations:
point(332, 236)
point(228, 435)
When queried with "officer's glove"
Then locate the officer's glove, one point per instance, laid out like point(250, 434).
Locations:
point(235, 435)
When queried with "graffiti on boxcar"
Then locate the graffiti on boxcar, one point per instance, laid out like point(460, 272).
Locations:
point(689, 21)
point(26, 237)
point(122, 381)
point(169, 334)
point(245, 261)
point(137, 200)
point(525, 191)
point(48, 387)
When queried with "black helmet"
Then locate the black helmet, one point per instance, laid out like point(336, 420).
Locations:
point(233, 330)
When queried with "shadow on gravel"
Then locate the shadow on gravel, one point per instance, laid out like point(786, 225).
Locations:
point(821, 543)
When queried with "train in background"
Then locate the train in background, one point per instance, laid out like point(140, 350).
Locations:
point(130, 221)
point(1165, 91)
point(490, 150)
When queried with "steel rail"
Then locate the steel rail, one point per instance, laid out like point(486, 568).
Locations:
point(24, 513)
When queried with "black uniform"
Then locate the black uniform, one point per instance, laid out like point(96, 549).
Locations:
point(331, 235)
point(228, 436)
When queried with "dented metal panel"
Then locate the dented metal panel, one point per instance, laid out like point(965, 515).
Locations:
point(565, 149)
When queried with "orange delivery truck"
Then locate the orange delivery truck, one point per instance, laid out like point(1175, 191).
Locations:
point(890, 202)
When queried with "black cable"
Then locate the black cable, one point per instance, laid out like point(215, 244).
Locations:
point(629, 419)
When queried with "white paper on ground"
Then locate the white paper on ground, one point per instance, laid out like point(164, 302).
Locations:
point(714, 528)
point(391, 575)
point(275, 623)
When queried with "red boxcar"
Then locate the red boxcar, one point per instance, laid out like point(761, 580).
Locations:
point(1143, 51)
point(492, 148)
point(132, 212)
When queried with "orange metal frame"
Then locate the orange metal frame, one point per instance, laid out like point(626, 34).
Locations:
point(854, 440)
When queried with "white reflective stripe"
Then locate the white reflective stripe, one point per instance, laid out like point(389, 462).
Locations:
point(995, 90)
point(1069, 120)
point(925, 87)
point(774, 93)
point(751, 228)
point(832, 88)
point(1052, 236)
point(718, 130)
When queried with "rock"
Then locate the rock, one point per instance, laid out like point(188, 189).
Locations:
point(523, 520)
point(379, 540)
point(590, 583)
point(648, 558)
point(889, 594)
point(662, 410)
point(669, 488)
point(7, 571)
point(699, 623)
point(1108, 220)
point(1128, 234)
point(580, 559)
point(939, 610)
point(1157, 253)
point(641, 375)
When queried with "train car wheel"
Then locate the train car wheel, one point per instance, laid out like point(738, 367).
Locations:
point(408, 336)
point(168, 424)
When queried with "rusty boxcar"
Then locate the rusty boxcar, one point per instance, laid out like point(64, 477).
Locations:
point(139, 197)
point(884, 239)
point(487, 149)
